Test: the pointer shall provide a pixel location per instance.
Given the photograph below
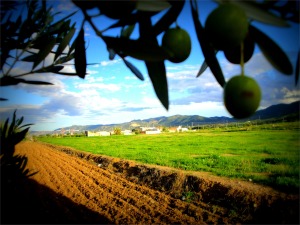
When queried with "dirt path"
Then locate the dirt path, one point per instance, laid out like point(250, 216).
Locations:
point(70, 189)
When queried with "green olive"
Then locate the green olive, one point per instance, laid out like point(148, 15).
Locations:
point(242, 96)
point(226, 26)
point(178, 42)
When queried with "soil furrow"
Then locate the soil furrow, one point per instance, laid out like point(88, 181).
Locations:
point(90, 190)
point(55, 179)
point(112, 196)
point(56, 176)
point(126, 195)
point(80, 191)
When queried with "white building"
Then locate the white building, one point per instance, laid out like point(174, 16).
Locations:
point(127, 132)
point(153, 130)
point(104, 133)
point(181, 129)
point(99, 133)
point(150, 130)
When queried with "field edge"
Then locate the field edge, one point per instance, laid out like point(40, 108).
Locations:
point(241, 199)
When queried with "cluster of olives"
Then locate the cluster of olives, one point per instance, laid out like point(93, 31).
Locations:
point(227, 29)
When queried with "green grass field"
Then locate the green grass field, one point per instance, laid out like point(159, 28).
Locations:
point(266, 156)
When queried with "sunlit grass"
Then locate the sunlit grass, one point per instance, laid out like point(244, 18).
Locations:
point(265, 156)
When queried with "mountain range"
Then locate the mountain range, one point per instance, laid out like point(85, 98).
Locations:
point(274, 112)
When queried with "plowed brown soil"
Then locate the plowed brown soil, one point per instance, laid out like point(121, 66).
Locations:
point(83, 188)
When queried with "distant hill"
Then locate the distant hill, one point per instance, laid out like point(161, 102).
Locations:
point(280, 111)
point(180, 120)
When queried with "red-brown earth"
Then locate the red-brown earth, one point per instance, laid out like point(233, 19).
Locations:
point(78, 187)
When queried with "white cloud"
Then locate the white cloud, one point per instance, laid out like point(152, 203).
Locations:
point(290, 96)
point(205, 108)
point(99, 86)
point(110, 62)
point(186, 88)
point(93, 79)
point(69, 68)
point(90, 72)
point(130, 78)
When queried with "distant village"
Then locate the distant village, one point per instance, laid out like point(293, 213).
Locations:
point(135, 129)
point(118, 131)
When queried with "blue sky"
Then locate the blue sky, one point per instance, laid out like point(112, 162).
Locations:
point(112, 94)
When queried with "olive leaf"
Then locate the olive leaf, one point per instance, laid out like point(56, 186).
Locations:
point(133, 69)
point(273, 53)
point(30, 58)
point(35, 82)
point(64, 59)
point(66, 73)
point(26, 125)
point(157, 74)
point(63, 44)
point(203, 67)
point(32, 7)
point(58, 25)
point(8, 80)
point(255, 11)
point(80, 55)
point(71, 49)
point(49, 69)
point(126, 32)
point(23, 161)
point(55, 69)
point(23, 30)
point(5, 127)
point(139, 49)
point(11, 27)
point(207, 49)
point(12, 125)
point(4, 54)
point(19, 121)
point(42, 54)
point(41, 40)
point(169, 17)
point(18, 137)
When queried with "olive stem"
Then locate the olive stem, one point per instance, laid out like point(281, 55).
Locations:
point(242, 59)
